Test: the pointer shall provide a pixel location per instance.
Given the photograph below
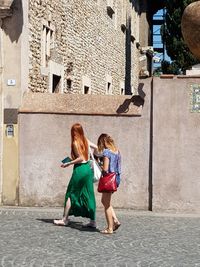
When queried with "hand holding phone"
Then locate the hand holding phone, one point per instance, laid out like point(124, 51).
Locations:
point(66, 160)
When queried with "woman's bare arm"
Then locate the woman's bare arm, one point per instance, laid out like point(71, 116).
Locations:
point(105, 164)
point(92, 145)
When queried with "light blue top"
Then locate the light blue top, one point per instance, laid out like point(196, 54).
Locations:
point(114, 162)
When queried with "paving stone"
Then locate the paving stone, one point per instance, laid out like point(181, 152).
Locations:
point(145, 239)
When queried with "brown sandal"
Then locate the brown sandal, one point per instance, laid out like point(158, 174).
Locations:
point(106, 231)
point(116, 226)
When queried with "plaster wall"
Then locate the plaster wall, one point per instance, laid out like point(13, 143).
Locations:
point(10, 184)
point(24, 49)
point(159, 144)
point(45, 141)
point(144, 30)
point(1, 118)
point(11, 61)
point(11, 41)
point(176, 146)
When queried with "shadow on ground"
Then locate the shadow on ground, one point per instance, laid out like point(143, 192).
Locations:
point(72, 224)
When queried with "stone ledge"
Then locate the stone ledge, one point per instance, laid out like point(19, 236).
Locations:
point(172, 76)
point(167, 76)
point(187, 76)
point(112, 105)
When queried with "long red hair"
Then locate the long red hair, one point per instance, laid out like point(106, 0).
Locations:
point(78, 137)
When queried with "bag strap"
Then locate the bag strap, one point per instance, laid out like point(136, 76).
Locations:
point(91, 154)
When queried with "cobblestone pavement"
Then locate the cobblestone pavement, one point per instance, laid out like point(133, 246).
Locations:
point(28, 238)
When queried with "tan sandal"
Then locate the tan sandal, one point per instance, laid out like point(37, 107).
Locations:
point(106, 231)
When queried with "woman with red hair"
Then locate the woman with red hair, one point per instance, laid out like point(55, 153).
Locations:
point(79, 198)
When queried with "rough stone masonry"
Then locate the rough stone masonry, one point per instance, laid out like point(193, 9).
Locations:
point(80, 45)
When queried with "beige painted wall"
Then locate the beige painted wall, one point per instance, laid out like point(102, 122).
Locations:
point(10, 186)
point(176, 157)
point(45, 141)
point(12, 30)
point(24, 50)
point(169, 166)
point(12, 53)
point(1, 117)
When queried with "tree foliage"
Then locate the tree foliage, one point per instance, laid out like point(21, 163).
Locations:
point(176, 48)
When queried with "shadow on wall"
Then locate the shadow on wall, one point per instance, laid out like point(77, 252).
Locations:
point(12, 26)
point(137, 100)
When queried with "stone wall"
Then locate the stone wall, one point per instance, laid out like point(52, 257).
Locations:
point(86, 41)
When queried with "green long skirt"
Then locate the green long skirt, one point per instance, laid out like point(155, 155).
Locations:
point(80, 190)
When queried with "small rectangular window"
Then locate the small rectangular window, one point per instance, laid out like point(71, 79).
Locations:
point(108, 88)
point(86, 90)
point(56, 83)
point(86, 85)
point(108, 85)
point(69, 84)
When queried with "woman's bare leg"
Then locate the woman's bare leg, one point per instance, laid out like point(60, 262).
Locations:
point(116, 222)
point(106, 199)
point(66, 209)
point(115, 219)
point(64, 221)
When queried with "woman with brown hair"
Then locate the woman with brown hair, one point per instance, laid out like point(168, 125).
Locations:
point(79, 198)
point(111, 163)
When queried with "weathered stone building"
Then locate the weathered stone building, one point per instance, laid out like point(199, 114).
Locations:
point(84, 46)
point(66, 47)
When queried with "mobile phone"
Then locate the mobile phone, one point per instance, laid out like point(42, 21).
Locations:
point(66, 160)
